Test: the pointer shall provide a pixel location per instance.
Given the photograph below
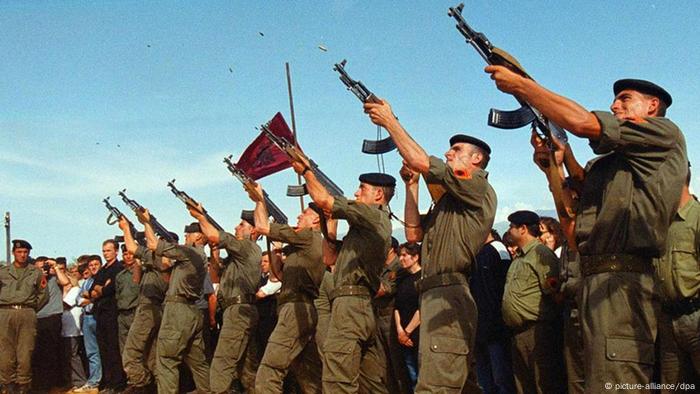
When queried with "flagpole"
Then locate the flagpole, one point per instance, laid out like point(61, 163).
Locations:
point(7, 237)
point(294, 124)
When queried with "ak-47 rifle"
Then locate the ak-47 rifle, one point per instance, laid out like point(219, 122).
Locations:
point(360, 90)
point(115, 214)
point(296, 154)
point(248, 184)
point(158, 228)
point(526, 114)
point(192, 203)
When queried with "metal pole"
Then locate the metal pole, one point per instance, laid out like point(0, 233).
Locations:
point(7, 237)
point(294, 124)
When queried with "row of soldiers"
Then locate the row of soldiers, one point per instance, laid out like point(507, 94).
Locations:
point(623, 203)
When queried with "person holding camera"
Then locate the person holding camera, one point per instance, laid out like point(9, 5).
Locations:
point(46, 358)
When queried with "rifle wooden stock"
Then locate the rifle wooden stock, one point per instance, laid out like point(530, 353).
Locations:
point(295, 154)
point(249, 185)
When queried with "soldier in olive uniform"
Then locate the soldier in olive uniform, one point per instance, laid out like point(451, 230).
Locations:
point(352, 358)
point(127, 294)
point(292, 345)
point(627, 200)
point(180, 334)
point(451, 235)
point(529, 309)
point(233, 357)
point(678, 273)
point(139, 354)
point(22, 293)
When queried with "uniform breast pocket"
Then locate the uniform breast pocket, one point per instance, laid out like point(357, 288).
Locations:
point(686, 269)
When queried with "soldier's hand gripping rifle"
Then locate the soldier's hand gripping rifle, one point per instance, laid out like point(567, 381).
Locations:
point(295, 154)
point(158, 228)
point(248, 184)
point(115, 214)
point(192, 203)
point(360, 90)
point(526, 114)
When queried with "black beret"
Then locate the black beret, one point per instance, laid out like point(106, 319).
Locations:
point(316, 208)
point(20, 243)
point(645, 87)
point(193, 228)
point(523, 217)
point(378, 179)
point(248, 216)
point(467, 139)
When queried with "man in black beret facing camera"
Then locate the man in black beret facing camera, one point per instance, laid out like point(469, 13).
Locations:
point(352, 358)
point(530, 311)
point(628, 197)
point(22, 293)
point(451, 235)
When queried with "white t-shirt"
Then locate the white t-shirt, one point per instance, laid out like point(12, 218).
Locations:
point(271, 287)
point(71, 317)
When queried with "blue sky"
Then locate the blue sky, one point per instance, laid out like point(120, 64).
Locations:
point(100, 96)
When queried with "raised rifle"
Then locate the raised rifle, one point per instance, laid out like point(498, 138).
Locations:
point(158, 228)
point(360, 90)
point(249, 185)
point(192, 203)
point(296, 154)
point(526, 114)
point(115, 214)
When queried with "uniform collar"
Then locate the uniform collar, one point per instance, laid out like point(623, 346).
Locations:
point(683, 212)
point(529, 246)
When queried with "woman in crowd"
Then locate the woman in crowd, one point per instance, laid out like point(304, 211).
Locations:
point(406, 312)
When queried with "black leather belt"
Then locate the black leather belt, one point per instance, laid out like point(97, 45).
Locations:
point(284, 298)
point(239, 299)
point(349, 290)
point(179, 299)
point(600, 263)
point(439, 280)
point(682, 307)
point(15, 306)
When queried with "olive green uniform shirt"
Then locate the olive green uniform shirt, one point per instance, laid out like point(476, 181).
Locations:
point(303, 266)
point(632, 191)
point(361, 259)
point(241, 268)
point(187, 276)
point(22, 286)
point(527, 294)
point(152, 287)
point(127, 292)
point(385, 303)
point(455, 229)
point(679, 269)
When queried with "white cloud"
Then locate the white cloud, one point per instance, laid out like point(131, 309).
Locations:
point(87, 176)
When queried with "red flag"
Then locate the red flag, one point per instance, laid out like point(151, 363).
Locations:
point(262, 157)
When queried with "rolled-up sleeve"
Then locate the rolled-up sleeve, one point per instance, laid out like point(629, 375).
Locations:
point(357, 214)
point(644, 144)
point(470, 190)
point(287, 234)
